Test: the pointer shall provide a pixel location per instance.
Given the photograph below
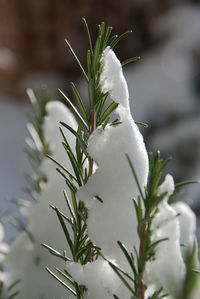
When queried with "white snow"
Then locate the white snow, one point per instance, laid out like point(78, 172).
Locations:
point(112, 79)
point(99, 278)
point(187, 222)
point(168, 269)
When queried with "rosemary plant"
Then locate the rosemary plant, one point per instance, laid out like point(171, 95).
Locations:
point(146, 207)
point(82, 249)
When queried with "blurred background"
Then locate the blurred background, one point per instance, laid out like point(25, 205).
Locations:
point(164, 85)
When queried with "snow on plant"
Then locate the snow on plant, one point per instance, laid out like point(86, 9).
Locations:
point(124, 235)
point(6, 291)
point(27, 259)
point(3, 252)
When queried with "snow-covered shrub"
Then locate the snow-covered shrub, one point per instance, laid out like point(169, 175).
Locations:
point(133, 243)
point(120, 232)
point(27, 259)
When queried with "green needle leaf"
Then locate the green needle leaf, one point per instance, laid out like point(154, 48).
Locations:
point(62, 282)
point(108, 112)
point(65, 230)
point(62, 167)
point(74, 109)
point(130, 60)
point(188, 182)
point(135, 176)
point(55, 252)
point(118, 39)
point(139, 123)
point(80, 102)
point(88, 34)
point(77, 60)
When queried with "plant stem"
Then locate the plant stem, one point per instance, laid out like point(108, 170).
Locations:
point(92, 128)
point(141, 255)
point(91, 162)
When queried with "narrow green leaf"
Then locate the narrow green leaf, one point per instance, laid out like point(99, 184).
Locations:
point(188, 182)
point(69, 205)
point(74, 202)
point(74, 109)
point(55, 252)
point(69, 128)
point(108, 111)
point(122, 278)
point(62, 167)
point(95, 61)
point(112, 40)
point(77, 60)
point(65, 230)
point(139, 123)
point(125, 252)
point(89, 65)
point(80, 140)
point(62, 282)
point(84, 249)
point(104, 124)
point(135, 176)
point(117, 268)
point(69, 183)
point(154, 244)
point(64, 275)
point(107, 36)
point(118, 39)
point(88, 34)
point(130, 60)
point(79, 102)
point(98, 198)
point(63, 215)
point(74, 164)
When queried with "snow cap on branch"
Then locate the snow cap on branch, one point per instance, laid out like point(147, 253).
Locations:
point(187, 222)
point(112, 79)
point(167, 270)
point(113, 182)
point(115, 218)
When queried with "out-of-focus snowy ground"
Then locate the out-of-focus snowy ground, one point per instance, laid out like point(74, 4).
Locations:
point(162, 94)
